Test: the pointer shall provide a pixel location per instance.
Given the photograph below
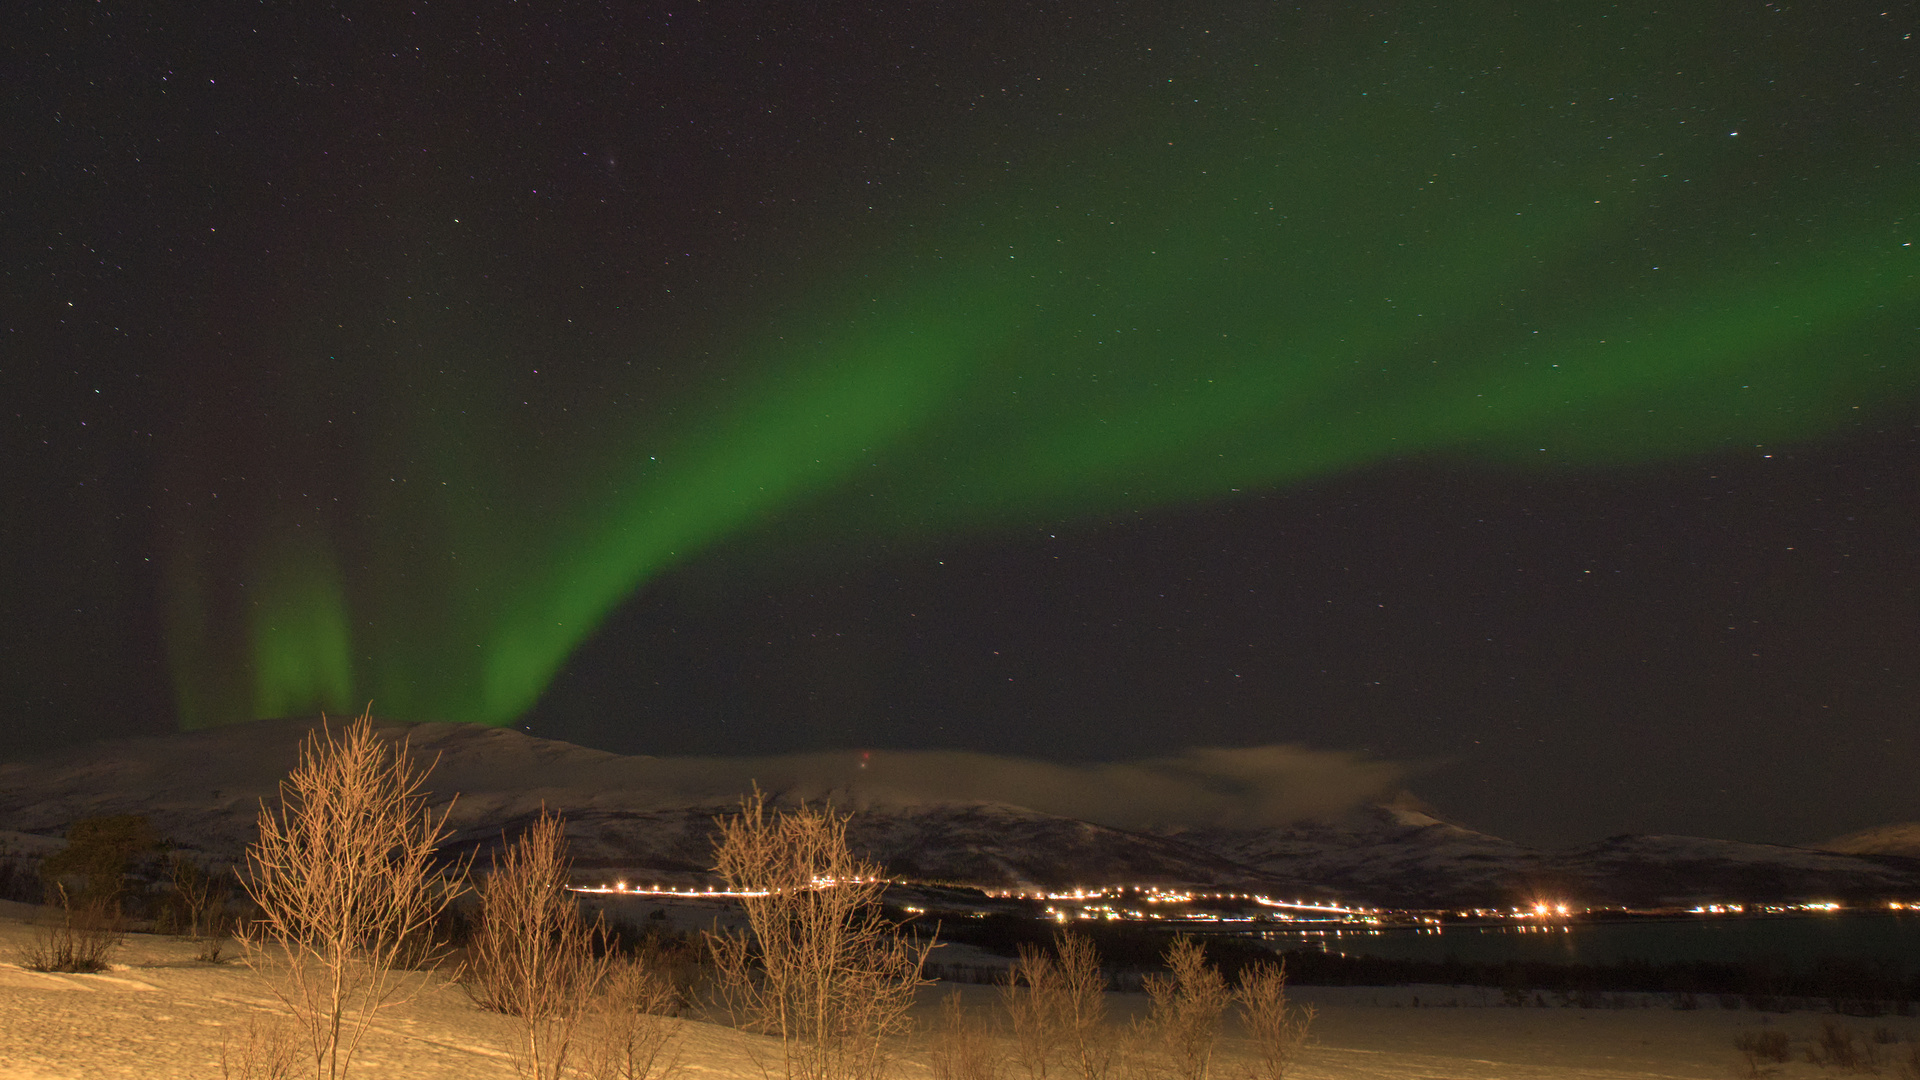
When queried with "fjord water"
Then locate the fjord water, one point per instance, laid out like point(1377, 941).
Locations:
point(1876, 938)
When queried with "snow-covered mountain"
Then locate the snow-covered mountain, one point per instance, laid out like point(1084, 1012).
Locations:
point(1624, 869)
point(1404, 857)
point(639, 818)
point(982, 844)
point(1391, 855)
point(626, 815)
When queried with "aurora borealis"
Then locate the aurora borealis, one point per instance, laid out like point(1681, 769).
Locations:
point(443, 341)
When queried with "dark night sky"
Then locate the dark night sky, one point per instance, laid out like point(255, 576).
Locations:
point(670, 378)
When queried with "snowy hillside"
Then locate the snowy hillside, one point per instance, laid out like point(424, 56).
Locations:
point(1690, 869)
point(1387, 854)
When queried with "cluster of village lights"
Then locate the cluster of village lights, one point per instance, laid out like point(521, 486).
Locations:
point(621, 888)
point(1098, 904)
point(1154, 894)
point(1776, 909)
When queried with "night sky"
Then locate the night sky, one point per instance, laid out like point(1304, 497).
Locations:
point(1524, 396)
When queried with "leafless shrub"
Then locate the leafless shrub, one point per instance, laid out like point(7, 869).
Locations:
point(1837, 1047)
point(1183, 1018)
point(266, 1051)
point(1035, 1000)
point(78, 938)
point(964, 1047)
point(680, 962)
point(1085, 987)
point(1277, 1028)
point(18, 877)
point(631, 1033)
point(344, 878)
point(532, 955)
point(202, 896)
point(1058, 1008)
point(100, 858)
point(1758, 1049)
point(821, 969)
point(1907, 1061)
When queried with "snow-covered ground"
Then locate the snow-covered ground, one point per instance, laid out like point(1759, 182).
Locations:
point(159, 1014)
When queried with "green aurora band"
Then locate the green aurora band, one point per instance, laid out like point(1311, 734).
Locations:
point(1260, 279)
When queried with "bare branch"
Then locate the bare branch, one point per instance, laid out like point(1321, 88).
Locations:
point(348, 891)
point(821, 969)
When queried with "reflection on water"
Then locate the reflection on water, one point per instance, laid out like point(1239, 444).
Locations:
point(1876, 938)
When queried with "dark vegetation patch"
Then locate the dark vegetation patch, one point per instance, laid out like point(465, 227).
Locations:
point(1844, 986)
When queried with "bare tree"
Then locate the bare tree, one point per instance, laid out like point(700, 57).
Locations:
point(1036, 1009)
point(266, 1051)
point(1083, 988)
point(1058, 1008)
point(1277, 1029)
point(1187, 1005)
point(202, 896)
point(821, 970)
point(631, 1034)
point(533, 956)
point(963, 1045)
point(348, 892)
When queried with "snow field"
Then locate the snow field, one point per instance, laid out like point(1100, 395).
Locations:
point(162, 1015)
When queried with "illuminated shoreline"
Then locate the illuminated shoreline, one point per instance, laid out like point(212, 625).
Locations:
point(1260, 913)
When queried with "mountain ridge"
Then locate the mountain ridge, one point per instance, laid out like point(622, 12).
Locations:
point(631, 816)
